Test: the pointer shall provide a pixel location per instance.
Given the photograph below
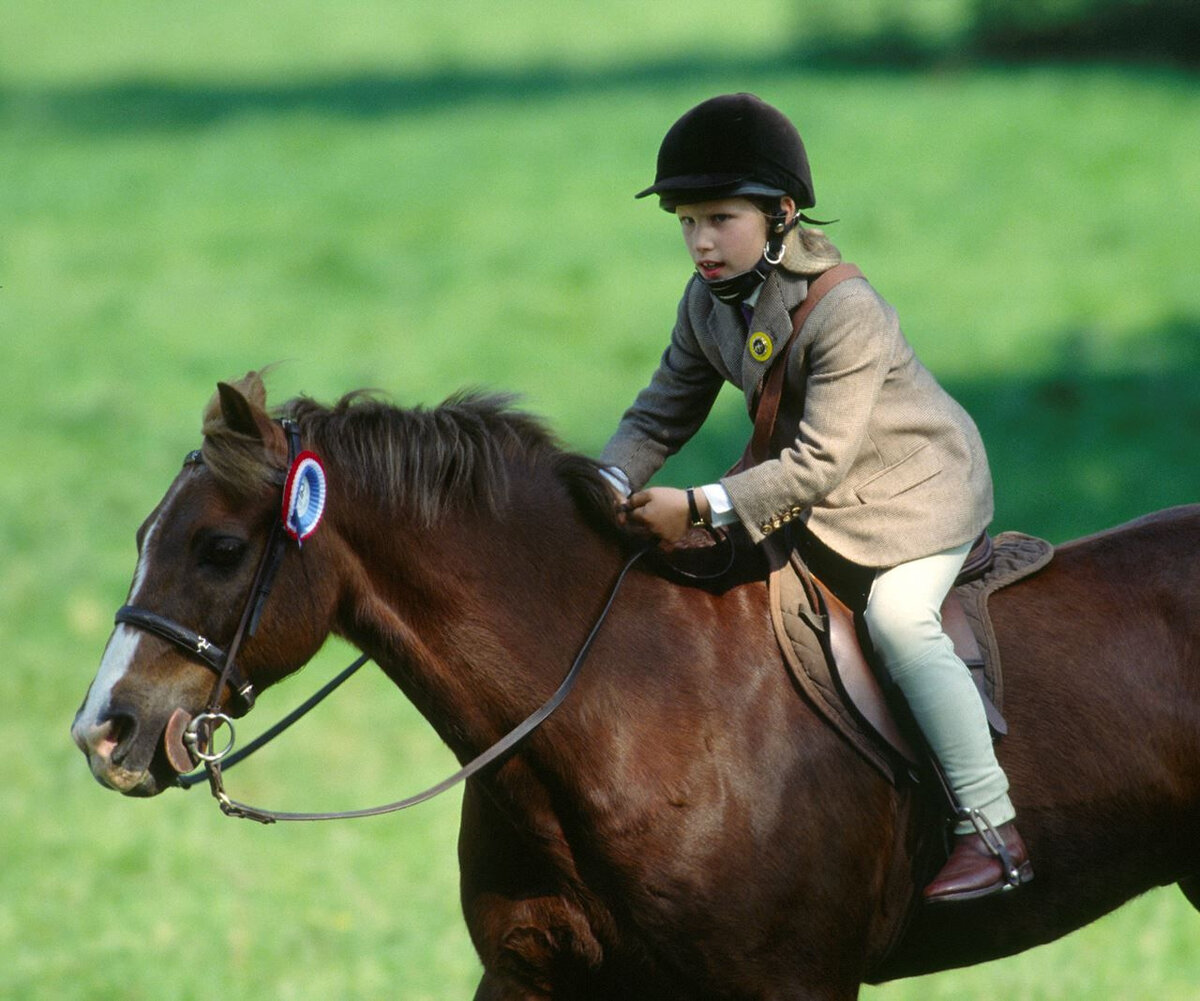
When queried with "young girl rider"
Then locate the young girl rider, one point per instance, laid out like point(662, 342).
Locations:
point(872, 463)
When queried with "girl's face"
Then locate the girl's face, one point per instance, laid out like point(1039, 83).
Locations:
point(725, 237)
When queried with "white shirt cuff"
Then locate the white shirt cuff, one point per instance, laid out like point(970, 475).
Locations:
point(617, 479)
point(719, 505)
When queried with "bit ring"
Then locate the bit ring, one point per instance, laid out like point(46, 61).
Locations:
point(191, 736)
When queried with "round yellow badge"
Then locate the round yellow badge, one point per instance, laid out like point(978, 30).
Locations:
point(760, 346)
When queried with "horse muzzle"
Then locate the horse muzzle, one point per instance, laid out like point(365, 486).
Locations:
point(121, 758)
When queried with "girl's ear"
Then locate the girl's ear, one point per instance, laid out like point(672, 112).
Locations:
point(788, 205)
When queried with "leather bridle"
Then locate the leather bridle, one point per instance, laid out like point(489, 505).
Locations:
point(223, 663)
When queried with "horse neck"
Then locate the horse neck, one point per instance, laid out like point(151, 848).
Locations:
point(477, 619)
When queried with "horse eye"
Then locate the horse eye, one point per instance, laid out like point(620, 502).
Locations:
point(223, 552)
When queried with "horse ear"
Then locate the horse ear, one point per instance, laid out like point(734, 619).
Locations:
point(243, 416)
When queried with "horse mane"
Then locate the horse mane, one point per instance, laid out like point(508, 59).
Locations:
point(459, 455)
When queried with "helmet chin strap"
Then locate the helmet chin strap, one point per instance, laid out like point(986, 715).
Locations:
point(738, 288)
point(779, 229)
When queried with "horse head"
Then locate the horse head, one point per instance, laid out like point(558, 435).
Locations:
point(201, 554)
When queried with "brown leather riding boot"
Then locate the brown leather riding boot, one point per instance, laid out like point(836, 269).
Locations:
point(990, 861)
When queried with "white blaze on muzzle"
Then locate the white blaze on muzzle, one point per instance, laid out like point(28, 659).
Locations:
point(120, 652)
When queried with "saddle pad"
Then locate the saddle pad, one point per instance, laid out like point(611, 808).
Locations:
point(1016, 556)
point(804, 636)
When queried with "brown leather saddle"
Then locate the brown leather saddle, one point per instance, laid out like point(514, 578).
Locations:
point(821, 640)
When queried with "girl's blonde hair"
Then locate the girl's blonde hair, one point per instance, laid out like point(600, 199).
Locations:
point(809, 252)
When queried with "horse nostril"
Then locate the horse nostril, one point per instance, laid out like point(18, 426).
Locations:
point(97, 740)
point(121, 727)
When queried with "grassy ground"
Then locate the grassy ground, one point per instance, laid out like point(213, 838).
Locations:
point(420, 202)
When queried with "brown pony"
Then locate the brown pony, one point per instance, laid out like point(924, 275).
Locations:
point(685, 826)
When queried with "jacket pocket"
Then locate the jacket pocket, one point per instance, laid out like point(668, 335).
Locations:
point(915, 468)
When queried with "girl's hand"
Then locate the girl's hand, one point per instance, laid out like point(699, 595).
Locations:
point(664, 511)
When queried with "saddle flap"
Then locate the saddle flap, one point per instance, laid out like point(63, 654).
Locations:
point(855, 678)
point(805, 634)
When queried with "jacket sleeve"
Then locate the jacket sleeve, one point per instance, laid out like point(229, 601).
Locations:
point(665, 414)
point(848, 360)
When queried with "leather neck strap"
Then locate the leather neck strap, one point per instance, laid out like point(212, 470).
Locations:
point(771, 385)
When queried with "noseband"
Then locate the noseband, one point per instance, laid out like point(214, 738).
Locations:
point(209, 654)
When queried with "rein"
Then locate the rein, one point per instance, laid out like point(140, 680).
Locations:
point(268, 735)
point(502, 747)
point(199, 731)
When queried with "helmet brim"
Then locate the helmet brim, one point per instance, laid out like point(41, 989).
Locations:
point(690, 190)
point(694, 183)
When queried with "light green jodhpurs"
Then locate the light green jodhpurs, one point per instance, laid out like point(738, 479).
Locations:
point(903, 617)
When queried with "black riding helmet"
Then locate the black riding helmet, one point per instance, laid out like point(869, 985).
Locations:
point(731, 145)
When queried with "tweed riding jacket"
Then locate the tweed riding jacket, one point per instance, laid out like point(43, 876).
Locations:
point(869, 451)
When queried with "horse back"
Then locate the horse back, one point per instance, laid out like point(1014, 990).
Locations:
point(1100, 648)
point(1101, 653)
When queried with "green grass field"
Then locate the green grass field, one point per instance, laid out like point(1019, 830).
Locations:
point(421, 201)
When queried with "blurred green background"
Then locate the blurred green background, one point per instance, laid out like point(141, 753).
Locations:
point(422, 198)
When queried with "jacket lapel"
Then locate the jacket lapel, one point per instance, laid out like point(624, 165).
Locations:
point(726, 333)
point(770, 328)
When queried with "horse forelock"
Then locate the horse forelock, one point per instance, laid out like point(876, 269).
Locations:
point(427, 463)
point(240, 463)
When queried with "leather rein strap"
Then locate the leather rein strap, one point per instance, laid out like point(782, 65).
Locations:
point(502, 747)
point(771, 389)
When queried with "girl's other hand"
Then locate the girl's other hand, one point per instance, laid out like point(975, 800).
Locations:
point(662, 511)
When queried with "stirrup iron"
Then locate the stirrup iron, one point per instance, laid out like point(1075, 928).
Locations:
point(995, 844)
